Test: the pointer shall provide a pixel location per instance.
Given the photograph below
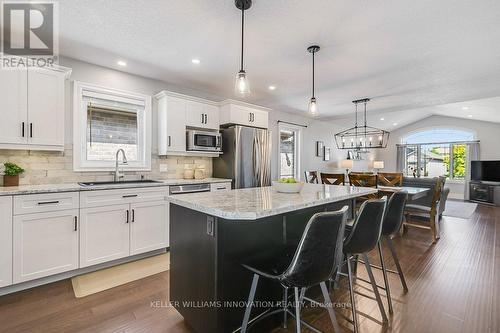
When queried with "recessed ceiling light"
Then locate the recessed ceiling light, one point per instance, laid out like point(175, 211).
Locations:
point(469, 115)
point(465, 108)
point(382, 119)
point(394, 124)
point(195, 61)
point(272, 87)
point(122, 63)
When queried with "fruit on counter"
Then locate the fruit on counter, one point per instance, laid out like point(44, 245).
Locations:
point(287, 180)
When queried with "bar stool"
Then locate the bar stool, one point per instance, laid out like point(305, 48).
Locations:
point(315, 261)
point(363, 236)
point(391, 225)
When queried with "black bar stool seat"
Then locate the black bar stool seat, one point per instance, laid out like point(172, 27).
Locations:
point(314, 261)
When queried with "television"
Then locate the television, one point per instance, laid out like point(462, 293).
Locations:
point(488, 171)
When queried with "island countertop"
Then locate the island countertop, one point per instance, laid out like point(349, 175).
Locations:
point(258, 202)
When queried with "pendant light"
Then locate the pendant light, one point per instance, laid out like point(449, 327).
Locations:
point(313, 106)
point(361, 138)
point(242, 86)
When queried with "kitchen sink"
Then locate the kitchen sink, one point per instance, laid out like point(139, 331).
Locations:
point(123, 182)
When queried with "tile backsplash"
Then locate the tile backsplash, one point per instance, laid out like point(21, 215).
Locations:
point(44, 167)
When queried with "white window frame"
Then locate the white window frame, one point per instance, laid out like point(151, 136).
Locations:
point(80, 163)
point(298, 145)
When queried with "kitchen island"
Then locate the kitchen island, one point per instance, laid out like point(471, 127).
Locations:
point(213, 233)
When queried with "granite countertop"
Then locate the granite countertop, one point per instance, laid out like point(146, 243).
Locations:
point(259, 202)
point(74, 187)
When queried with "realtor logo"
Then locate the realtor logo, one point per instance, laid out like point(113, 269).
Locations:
point(29, 32)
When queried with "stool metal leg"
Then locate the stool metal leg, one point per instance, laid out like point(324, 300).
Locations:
point(329, 307)
point(297, 309)
point(285, 306)
point(375, 288)
point(351, 292)
point(386, 281)
point(248, 309)
point(396, 261)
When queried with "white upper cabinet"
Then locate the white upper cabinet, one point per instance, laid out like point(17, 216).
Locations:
point(211, 116)
point(33, 101)
point(46, 107)
point(14, 108)
point(175, 113)
point(233, 112)
point(202, 115)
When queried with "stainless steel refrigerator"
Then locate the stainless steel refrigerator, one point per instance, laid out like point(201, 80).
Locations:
point(246, 157)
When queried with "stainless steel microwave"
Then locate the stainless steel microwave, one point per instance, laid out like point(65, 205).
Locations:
point(204, 141)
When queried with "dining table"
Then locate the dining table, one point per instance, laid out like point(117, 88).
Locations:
point(414, 193)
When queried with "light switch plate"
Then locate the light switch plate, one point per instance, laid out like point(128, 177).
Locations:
point(163, 168)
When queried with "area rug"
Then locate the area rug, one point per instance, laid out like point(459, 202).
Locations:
point(459, 209)
point(91, 283)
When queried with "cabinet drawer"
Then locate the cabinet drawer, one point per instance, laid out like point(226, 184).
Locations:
point(220, 187)
point(39, 203)
point(101, 198)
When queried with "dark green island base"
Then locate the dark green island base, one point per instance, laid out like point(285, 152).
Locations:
point(208, 285)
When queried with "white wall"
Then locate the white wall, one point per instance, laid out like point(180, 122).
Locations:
point(316, 130)
point(486, 132)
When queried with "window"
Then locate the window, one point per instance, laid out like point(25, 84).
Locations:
point(289, 152)
point(106, 120)
point(440, 158)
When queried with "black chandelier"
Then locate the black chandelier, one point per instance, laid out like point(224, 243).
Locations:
point(363, 137)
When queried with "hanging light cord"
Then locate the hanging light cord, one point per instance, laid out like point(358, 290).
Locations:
point(242, 32)
point(313, 75)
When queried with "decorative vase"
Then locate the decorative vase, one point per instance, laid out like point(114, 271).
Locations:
point(11, 180)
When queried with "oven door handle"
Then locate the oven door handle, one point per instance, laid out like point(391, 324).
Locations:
point(190, 191)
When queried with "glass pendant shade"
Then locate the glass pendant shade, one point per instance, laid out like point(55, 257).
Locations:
point(242, 87)
point(313, 106)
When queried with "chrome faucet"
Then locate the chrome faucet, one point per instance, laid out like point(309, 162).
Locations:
point(118, 175)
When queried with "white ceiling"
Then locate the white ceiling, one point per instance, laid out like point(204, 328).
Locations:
point(403, 54)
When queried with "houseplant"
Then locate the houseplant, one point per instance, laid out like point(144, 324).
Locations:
point(11, 174)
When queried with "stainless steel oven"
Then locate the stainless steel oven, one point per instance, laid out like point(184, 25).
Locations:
point(204, 141)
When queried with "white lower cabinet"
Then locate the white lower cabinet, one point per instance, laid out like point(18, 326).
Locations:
point(104, 234)
point(44, 244)
point(148, 227)
point(110, 232)
point(5, 241)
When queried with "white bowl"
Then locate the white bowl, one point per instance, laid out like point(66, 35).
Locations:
point(287, 187)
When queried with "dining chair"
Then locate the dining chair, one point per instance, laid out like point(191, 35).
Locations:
point(332, 178)
point(311, 177)
point(316, 259)
point(429, 214)
point(390, 179)
point(364, 180)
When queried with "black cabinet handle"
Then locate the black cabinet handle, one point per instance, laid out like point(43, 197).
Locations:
point(76, 223)
point(22, 129)
point(133, 215)
point(206, 118)
point(169, 141)
point(202, 118)
point(48, 202)
point(31, 130)
point(250, 117)
point(129, 196)
point(128, 216)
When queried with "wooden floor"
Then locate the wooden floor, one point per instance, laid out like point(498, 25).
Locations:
point(454, 287)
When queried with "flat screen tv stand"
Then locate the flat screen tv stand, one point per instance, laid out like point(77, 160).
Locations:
point(484, 192)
